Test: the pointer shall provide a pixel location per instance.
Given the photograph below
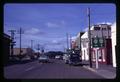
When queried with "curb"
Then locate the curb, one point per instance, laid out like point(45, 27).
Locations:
point(91, 69)
point(100, 73)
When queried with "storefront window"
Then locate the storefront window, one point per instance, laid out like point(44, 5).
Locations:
point(96, 28)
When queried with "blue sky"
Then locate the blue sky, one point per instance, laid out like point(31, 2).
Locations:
point(47, 24)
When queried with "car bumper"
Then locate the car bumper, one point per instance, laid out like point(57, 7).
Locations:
point(75, 63)
point(43, 60)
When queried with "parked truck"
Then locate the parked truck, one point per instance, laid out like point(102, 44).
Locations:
point(73, 57)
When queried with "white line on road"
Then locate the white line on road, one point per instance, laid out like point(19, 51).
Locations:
point(30, 68)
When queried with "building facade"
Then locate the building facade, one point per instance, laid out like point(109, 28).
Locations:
point(100, 31)
point(113, 36)
point(26, 53)
point(6, 48)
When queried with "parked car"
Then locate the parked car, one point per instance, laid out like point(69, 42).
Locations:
point(72, 58)
point(66, 58)
point(58, 57)
point(43, 59)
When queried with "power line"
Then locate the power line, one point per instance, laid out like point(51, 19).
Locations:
point(67, 40)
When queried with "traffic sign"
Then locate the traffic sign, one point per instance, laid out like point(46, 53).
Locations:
point(97, 42)
point(101, 42)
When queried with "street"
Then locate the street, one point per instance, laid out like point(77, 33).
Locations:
point(57, 69)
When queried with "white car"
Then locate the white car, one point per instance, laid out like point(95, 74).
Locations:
point(43, 59)
point(57, 57)
point(66, 58)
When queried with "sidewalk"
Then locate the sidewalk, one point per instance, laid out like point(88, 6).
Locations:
point(106, 71)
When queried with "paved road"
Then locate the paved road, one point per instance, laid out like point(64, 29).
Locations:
point(55, 70)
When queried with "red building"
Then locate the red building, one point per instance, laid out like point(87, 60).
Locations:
point(104, 53)
point(73, 43)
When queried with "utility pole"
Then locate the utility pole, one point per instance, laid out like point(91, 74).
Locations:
point(67, 41)
point(42, 49)
point(38, 48)
point(20, 32)
point(80, 44)
point(70, 42)
point(31, 44)
point(89, 36)
point(31, 47)
point(12, 40)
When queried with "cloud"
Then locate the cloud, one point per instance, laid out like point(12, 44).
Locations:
point(109, 23)
point(56, 42)
point(55, 25)
point(86, 29)
point(49, 24)
point(73, 38)
point(34, 31)
point(63, 22)
point(114, 25)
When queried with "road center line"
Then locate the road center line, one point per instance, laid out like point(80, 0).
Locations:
point(30, 68)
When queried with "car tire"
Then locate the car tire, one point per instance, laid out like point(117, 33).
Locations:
point(66, 61)
point(70, 63)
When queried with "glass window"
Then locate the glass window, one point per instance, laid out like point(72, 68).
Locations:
point(109, 28)
point(96, 28)
point(103, 28)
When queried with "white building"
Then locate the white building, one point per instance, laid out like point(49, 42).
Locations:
point(84, 46)
point(77, 40)
point(113, 36)
point(101, 30)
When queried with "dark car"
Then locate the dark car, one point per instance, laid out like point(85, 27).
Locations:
point(74, 59)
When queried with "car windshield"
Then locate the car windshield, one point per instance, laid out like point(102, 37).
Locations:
point(74, 57)
point(43, 57)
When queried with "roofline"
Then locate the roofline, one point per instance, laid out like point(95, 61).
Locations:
point(7, 36)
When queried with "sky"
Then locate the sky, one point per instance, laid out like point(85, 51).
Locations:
point(47, 24)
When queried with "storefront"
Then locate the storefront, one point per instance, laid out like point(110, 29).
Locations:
point(104, 53)
point(101, 55)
